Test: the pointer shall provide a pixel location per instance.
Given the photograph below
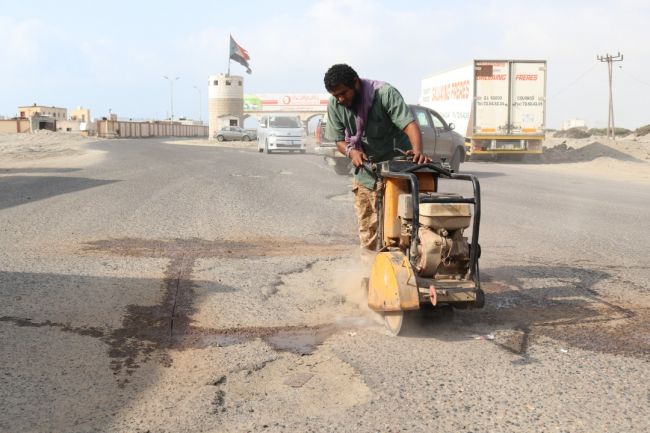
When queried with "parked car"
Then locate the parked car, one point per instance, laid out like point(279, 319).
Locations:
point(235, 133)
point(281, 132)
point(439, 141)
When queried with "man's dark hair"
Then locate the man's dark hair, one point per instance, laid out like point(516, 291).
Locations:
point(340, 74)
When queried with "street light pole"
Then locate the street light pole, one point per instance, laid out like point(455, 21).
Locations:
point(200, 117)
point(171, 96)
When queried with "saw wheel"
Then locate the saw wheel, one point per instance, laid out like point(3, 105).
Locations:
point(393, 321)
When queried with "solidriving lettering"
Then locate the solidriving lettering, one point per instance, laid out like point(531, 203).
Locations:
point(445, 92)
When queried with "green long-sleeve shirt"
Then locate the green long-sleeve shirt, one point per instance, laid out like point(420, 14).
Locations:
point(387, 118)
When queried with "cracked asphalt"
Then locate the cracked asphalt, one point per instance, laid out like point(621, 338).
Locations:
point(177, 288)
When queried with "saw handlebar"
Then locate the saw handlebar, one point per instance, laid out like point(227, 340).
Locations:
point(370, 167)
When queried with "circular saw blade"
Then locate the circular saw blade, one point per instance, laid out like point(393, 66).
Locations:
point(393, 321)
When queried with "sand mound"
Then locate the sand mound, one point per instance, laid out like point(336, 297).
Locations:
point(564, 153)
point(636, 149)
point(45, 148)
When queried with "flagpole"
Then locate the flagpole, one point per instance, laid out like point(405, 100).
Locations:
point(228, 67)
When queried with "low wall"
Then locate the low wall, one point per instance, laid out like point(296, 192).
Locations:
point(15, 125)
point(119, 129)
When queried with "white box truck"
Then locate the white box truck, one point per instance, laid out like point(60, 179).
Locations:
point(498, 105)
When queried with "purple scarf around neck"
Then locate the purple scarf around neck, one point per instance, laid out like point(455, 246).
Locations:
point(366, 98)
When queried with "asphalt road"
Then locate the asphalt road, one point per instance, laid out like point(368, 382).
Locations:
point(182, 288)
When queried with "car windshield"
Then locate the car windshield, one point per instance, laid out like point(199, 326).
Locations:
point(285, 122)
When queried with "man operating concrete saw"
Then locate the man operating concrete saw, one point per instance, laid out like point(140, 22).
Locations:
point(369, 121)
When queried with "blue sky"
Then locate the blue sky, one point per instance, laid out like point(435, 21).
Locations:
point(112, 55)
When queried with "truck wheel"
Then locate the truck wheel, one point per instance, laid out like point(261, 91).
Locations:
point(455, 161)
point(266, 147)
point(246, 138)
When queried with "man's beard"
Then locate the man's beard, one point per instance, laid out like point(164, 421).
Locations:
point(356, 101)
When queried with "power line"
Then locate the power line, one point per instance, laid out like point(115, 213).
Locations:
point(591, 68)
point(634, 78)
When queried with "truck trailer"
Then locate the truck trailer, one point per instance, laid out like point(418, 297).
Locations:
point(498, 105)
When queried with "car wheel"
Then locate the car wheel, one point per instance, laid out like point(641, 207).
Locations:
point(455, 161)
point(246, 138)
point(219, 137)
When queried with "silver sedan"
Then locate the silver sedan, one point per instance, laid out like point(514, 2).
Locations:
point(235, 133)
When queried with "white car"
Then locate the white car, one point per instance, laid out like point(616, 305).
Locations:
point(281, 132)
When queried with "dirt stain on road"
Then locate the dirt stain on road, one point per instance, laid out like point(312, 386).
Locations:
point(148, 329)
point(86, 331)
point(569, 311)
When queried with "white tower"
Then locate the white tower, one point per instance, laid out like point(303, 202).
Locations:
point(225, 102)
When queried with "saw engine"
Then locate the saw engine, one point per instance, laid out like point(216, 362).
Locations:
point(442, 252)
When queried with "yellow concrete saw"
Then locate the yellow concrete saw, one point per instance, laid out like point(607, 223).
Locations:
point(424, 258)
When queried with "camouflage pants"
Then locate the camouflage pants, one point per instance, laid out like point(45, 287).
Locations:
point(365, 206)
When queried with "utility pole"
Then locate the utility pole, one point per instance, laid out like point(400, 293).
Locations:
point(610, 118)
point(171, 96)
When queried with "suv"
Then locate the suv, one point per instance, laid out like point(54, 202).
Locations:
point(439, 141)
point(281, 132)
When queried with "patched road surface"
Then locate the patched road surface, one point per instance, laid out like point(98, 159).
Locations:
point(178, 288)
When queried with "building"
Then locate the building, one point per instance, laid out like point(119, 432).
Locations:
point(80, 114)
point(574, 123)
point(57, 113)
point(225, 101)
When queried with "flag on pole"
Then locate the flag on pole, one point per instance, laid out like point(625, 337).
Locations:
point(239, 55)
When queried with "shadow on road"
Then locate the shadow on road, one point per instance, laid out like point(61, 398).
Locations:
point(103, 340)
point(50, 326)
point(38, 170)
point(17, 190)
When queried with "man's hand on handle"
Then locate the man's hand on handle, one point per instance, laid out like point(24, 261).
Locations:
point(412, 131)
point(418, 158)
point(358, 157)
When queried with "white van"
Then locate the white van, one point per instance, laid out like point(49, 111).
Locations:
point(281, 132)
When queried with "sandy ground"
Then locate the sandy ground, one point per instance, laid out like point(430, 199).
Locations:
point(46, 149)
point(626, 159)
